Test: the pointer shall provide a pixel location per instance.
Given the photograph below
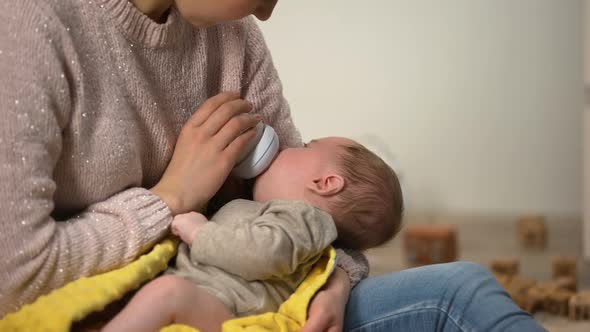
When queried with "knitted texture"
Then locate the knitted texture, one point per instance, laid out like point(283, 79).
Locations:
point(93, 97)
point(57, 311)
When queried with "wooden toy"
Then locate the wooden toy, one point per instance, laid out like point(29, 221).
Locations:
point(430, 244)
point(564, 266)
point(518, 287)
point(568, 283)
point(557, 296)
point(532, 232)
point(579, 306)
point(538, 295)
point(557, 302)
point(504, 266)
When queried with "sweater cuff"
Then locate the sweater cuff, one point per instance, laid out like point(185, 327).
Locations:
point(151, 215)
point(354, 263)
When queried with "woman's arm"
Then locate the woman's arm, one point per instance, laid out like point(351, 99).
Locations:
point(326, 311)
point(38, 65)
point(354, 263)
point(40, 88)
point(327, 307)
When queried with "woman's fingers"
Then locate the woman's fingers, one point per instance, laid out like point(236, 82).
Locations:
point(236, 146)
point(205, 152)
point(234, 128)
point(230, 121)
point(210, 106)
point(224, 113)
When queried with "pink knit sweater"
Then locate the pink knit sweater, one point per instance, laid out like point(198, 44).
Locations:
point(93, 97)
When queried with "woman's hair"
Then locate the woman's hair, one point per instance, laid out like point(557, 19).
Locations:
point(368, 211)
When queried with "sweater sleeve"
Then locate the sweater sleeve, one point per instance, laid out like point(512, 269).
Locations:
point(263, 87)
point(274, 244)
point(354, 263)
point(39, 254)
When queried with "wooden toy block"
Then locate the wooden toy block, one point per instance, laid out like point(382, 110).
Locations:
point(518, 287)
point(564, 266)
point(430, 244)
point(579, 306)
point(568, 283)
point(504, 266)
point(557, 302)
point(538, 295)
point(532, 232)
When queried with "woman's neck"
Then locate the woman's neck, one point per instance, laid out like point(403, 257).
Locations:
point(154, 9)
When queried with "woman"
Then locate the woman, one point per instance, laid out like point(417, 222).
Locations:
point(101, 145)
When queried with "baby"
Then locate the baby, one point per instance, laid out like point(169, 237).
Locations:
point(251, 256)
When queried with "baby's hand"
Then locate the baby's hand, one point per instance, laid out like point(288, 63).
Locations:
point(187, 225)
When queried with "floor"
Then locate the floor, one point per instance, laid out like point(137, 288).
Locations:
point(482, 239)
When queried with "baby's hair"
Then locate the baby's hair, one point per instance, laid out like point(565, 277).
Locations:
point(369, 210)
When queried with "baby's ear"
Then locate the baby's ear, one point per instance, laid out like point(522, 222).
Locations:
point(327, 185)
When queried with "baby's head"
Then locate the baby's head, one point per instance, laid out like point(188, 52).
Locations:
point(359, 190)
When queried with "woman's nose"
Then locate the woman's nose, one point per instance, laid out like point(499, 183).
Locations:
point(264, 11)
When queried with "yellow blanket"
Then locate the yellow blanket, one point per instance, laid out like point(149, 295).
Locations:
point(58, 310)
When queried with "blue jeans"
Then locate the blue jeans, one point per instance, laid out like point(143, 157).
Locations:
point(457, 296)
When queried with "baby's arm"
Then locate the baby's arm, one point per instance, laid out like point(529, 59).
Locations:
point(187, 225)
point(272, 245)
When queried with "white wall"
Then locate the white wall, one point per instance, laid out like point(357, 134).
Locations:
point(479, 100)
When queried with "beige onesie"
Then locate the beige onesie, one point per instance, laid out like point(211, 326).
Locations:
point(252, 256)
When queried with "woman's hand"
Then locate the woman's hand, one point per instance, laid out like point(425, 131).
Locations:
point(326, 310)
point(206, 151)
